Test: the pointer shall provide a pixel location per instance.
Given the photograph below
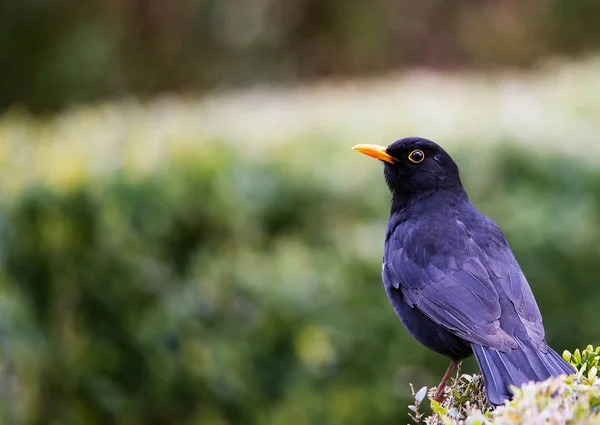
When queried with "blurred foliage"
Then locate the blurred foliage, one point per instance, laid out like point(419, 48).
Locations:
point(230, 285)
point(217, 261)
point(572, 400)
point(65, 51)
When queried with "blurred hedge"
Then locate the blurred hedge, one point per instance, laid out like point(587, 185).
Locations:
point(223, 287)
point(65, 51)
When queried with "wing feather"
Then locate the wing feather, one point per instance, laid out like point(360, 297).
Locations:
point(459, 285)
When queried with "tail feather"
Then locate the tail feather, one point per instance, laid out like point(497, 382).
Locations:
point(559, 364)
point(493, 386)
point(501, 370)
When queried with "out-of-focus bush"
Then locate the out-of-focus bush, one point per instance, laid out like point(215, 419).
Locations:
point(217, 261)
point(59, 52)
point(225, 287)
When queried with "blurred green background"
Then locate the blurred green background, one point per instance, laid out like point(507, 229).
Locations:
point(187, 238)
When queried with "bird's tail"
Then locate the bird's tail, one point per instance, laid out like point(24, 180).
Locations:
point(500, 370)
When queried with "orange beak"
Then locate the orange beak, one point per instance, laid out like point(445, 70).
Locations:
point(375, 151)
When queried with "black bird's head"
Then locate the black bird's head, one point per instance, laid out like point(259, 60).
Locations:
point(414, 166)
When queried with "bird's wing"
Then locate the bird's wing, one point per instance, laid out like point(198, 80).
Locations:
point(453, 283)
point(511, 281)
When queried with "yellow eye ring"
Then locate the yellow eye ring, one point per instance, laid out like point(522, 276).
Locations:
point(416, 156)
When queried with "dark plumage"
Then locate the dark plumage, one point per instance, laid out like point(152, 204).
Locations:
point(451, 276)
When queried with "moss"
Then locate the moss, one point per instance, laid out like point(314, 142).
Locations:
point(572, 400)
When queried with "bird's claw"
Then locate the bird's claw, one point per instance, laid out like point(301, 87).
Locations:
point(439, 397)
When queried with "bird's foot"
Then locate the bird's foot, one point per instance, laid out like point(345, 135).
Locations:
point(439, 396)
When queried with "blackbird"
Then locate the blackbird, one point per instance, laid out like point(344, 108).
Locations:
point(451, 277)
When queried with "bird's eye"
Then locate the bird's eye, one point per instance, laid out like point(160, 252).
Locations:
point(416, 156)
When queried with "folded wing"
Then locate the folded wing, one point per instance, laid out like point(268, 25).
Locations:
point(472, 287)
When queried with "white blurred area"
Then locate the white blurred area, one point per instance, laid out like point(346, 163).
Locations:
point(557, 108)
point(554, 109)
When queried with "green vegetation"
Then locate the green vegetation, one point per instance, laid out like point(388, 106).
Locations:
point(162, 267)
point(573, 400)
point(65, 51)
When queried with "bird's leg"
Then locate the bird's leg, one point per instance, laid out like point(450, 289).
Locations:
point(439, 394)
